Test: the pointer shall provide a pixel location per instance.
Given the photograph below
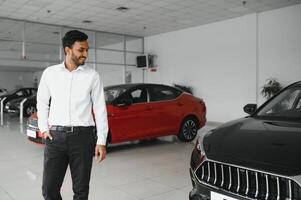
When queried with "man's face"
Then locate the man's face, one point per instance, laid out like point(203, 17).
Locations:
point(79, 52)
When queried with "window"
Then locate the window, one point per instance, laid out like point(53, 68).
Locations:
point(286, 105)
point(33, 92)
point(161, 93)
point(20, 93)
point(139, 95)
point(112, 93)
point(298, 104)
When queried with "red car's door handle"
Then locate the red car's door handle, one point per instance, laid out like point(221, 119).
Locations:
point(149, 107)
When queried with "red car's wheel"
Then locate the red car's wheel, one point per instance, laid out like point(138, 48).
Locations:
point(189, 129)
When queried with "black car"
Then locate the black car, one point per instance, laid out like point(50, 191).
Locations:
point(29, 106)
point(18, 93)
point(256, 157)
point(3, 91)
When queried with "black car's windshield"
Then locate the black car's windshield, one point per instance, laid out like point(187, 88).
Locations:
point(287, 106)
point(112, 92)
point(13, 91)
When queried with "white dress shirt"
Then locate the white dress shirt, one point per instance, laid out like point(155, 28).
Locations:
point(73, 96)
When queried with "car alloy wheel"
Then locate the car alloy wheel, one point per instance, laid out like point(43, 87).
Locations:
point(29, 111)
point(188, 130)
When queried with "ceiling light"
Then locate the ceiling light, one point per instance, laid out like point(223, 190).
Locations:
point(87, 21)
point(122, 9)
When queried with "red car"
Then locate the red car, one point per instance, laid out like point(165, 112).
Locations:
point(141, 111)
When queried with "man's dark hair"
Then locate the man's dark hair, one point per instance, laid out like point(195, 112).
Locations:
point(71, 37)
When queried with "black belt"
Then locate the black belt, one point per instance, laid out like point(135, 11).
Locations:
point(71, 129)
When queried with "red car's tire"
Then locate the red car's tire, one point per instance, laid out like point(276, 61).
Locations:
point(188, 130)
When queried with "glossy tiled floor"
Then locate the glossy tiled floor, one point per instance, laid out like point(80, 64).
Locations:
point(149, 170)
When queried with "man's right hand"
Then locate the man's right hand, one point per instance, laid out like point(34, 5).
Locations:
point(46, 135)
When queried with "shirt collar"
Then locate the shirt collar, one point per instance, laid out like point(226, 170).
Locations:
point(81, 67)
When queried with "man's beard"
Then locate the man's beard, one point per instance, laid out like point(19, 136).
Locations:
point(77, 60)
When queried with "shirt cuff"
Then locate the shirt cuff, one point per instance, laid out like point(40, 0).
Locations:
point(101, 141)
point(44, 130)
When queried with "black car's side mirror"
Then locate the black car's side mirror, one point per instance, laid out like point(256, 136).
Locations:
point(250, 108)
point(123, 102)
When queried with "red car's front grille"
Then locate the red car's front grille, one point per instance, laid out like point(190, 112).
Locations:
point(248, 183)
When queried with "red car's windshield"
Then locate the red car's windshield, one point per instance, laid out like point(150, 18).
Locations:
point(113, 92)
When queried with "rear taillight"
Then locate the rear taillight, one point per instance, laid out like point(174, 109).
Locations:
point(203, 105)
point(32, 122)
point(201, 102)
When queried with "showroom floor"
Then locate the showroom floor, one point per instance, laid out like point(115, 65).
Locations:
point(150, 170)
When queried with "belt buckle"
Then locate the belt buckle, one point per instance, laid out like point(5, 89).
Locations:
point(69, 129)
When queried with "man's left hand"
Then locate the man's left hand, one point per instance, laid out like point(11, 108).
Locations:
point(100, 152)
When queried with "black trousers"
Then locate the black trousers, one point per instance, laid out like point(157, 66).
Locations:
point(74, 149)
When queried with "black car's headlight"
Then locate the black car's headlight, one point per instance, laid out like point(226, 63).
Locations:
point(7, 105)
point(198, 154)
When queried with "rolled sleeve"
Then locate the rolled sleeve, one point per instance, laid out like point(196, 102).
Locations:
point(100, 110)
point(43, 97)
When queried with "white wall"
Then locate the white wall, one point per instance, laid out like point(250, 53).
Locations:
point(12, 80)
point(223, 62)
point(280, 45)
point(218, 60)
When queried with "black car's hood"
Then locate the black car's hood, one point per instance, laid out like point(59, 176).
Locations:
point(18, 100)
point(265, 145)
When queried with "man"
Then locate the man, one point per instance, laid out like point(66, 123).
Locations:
point(67, 123)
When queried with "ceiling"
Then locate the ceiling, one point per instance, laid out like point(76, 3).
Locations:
point(143, 17)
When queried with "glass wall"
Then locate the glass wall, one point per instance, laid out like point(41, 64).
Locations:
point(110, 74)
point(24, 44)
point(10, 39)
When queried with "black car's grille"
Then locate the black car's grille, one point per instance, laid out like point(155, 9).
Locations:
point(248, 183)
